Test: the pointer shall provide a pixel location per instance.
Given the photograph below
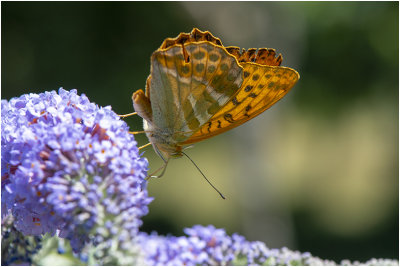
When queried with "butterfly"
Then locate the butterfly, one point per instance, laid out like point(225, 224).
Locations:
point(198, 88)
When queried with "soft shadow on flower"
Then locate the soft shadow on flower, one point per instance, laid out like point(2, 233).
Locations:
point(71, 168)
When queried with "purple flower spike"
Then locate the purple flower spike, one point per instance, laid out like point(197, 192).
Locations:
point(207, 245)
point(69, 166)
point(203, 246)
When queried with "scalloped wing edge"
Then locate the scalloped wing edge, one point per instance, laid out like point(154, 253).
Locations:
point(262, 56)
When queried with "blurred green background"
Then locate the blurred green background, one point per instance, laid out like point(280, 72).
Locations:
point(317, 172)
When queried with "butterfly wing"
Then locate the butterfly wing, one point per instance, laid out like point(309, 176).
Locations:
point(262, 87)
point(188, 84)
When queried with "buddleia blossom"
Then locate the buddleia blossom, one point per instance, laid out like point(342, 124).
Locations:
point(207, 245)
point(204, 246)
point(71, 167)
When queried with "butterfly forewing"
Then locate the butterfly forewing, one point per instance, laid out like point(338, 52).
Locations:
point(190, 84)
point(197, 88)
point(262, 87)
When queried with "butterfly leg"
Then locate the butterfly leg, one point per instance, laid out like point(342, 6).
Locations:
point(163, 168)
point(137, 132)
point(146, 145)
point(127, 115)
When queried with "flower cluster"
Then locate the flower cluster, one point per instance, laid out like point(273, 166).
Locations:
point(204, 246)
point(70, 167)
point(207, 245)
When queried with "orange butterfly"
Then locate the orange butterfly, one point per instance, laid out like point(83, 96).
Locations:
point(197, 88)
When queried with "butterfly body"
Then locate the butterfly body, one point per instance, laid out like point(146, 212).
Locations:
point(163, 140)
point(198, 88)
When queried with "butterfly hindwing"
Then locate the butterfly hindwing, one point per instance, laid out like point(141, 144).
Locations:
point(262, 87)
point(189, 84)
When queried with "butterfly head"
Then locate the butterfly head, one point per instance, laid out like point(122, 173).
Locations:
point(163, 142)
point(167, 152)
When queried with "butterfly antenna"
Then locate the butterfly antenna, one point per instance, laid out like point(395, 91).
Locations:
point(204, 176)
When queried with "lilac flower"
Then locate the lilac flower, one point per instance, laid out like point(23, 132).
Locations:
point(71, 167)
point(211, 246)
